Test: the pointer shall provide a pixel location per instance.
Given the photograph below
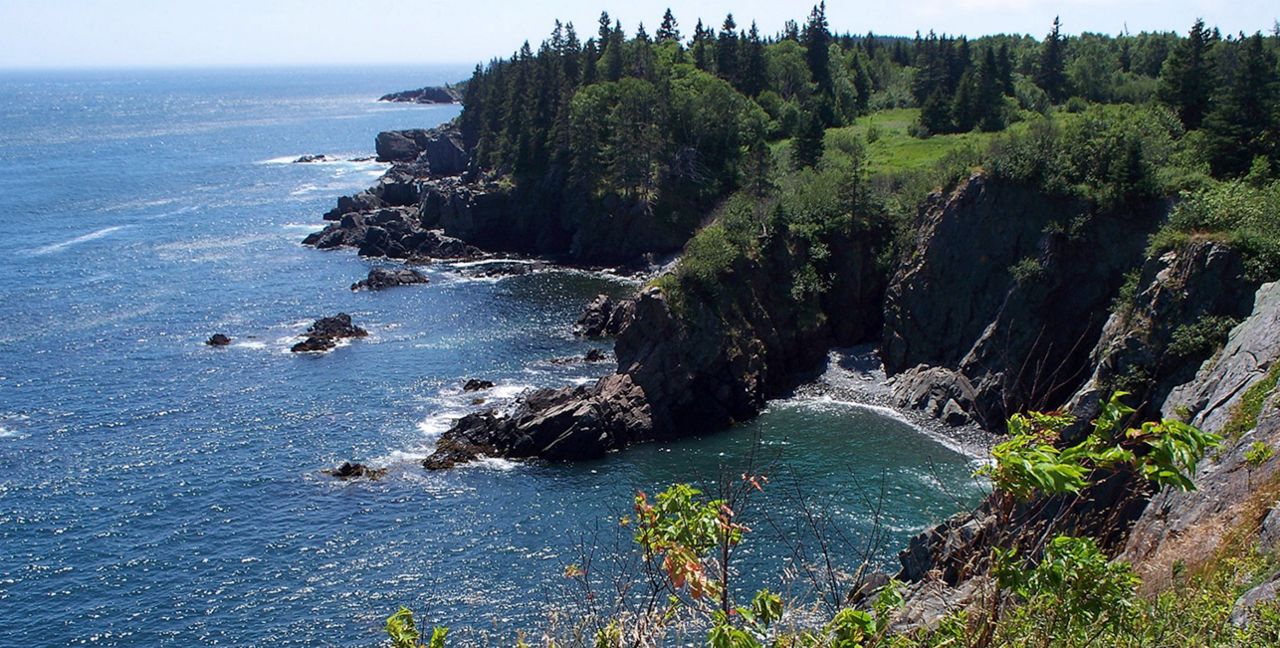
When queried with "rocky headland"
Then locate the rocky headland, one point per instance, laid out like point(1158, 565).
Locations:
point(981, 315)
point(447, 94)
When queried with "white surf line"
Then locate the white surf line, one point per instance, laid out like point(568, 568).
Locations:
point(58, 247)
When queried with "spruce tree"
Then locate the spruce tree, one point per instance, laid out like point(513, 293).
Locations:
point(1051, 73)
point(612, 58)
point(807, 145)
point(669, 30)
point(1186, 83)
point(754, 68)
point(727, 51)
point(1243, 124)
point(816, 42)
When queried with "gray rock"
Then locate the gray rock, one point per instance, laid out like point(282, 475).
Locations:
point(1266, 592)
point(380, 278)
point(1177, 289)
point(1269, 538)
point(1021, 342)
point(603, 317)
point(936, 391)
point(1189, 526)
point(553, 424)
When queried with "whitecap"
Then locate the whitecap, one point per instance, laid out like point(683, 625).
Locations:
point(253, 344)
point(493, 463)
point(84, 238)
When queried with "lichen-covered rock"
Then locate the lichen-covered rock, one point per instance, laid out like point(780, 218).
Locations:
point(1188, 527)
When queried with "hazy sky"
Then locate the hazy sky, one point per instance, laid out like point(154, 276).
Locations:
point(102, 33)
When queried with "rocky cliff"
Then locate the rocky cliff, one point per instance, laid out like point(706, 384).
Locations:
point(434, 187)
point(1004, 295)
point(700, 365)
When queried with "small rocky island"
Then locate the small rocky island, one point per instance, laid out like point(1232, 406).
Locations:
point(447, 94)
point(325, 333)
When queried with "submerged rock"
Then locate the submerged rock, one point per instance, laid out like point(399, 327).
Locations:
point(380, 278)
point(476, 384)
point(325, 333)
point(350, 470)
point(218, 339)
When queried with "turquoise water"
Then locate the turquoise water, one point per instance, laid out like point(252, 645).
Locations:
point(158, 492)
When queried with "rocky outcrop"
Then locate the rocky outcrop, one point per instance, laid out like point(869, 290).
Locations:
point(429, 95)
point(937, 391)
point(350, 470)
point(392, 232)
point(435, 152)
point(1158, 341)
point(1010, 289)
point(324, 334)
point(380, 278)
point(603, 317)
point(477, 384)
point(218, 339)
point(552, 424)
point(1232, 493)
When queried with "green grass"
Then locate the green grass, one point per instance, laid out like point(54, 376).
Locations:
point(1245, 413)
point(895, 150)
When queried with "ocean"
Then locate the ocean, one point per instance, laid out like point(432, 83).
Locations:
point(156, 491)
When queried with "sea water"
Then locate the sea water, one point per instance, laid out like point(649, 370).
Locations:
point(155, 491)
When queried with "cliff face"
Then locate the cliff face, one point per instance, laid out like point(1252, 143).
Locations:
point(1003, 297)
point(433, 187)
point(1233, 494)
point(699, 367)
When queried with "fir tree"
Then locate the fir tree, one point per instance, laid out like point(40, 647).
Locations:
point(1185, 80)
point(727, 51)
point(816, 41)
point(754, 68)
point(807, 145)
point(1051, 73)
point(669, 30)
point(1242, 124)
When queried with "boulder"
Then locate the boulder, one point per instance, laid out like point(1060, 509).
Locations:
point(326, 331)
point(349, 470)
point(218, 339)
point(937, 391)
point(380, 278)
point(476, 384)
point(395, 146)
point(1265, 593)
point(552, 424)
point(595, 355)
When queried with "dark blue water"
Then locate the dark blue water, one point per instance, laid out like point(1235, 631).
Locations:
point(158, 492)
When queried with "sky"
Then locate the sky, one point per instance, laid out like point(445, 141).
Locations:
point(183, 33)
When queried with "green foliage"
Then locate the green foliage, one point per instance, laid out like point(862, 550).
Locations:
point(1234, 212)
point(1201, 337)
point(1258, 454)
point(681, 528)
point(1030, 463)
point(1027, 270)
point(1245, 413)
point(1073, 588)
point(403, 631)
